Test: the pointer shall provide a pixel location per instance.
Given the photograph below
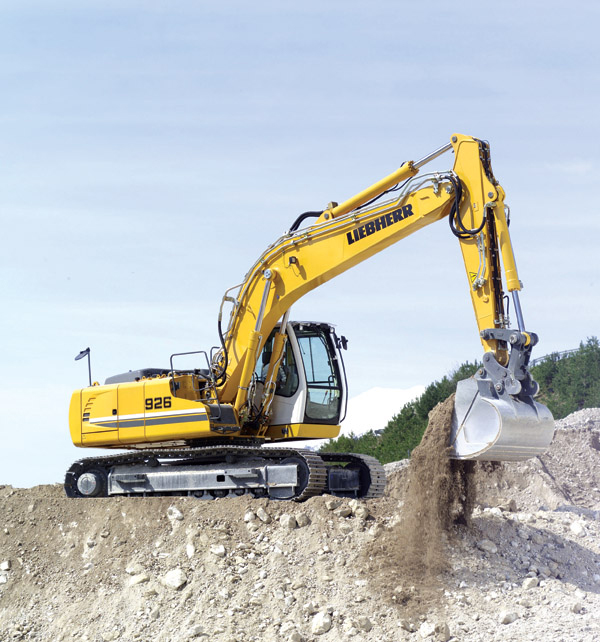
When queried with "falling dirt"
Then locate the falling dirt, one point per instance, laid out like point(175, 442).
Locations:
point(411, 558)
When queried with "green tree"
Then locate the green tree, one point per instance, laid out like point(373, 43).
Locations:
point(570, 383)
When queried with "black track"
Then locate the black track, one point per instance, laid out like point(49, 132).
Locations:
point(315, 476)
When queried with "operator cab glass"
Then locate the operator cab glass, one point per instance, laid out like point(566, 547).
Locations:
point(324, 392)
point(287, 376)
point(309, 369)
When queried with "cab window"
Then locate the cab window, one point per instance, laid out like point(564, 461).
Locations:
point(287, 376)
point(322, 375)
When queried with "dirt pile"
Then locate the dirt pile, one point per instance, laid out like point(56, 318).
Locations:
point(245, 570)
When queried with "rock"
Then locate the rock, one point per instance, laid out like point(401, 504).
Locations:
point(321, 623)
point(139, 579)
point(294, 636)
point(310, 608)
point(288, 521)
point(529, 583)
point(5, 566)
point(508, 507)
point(364, 624)
point(442, 632)
point(508, 617)
point(427, 629)
point(174, 514)
point(249, 516)
point(175, 579)
point(438, 631)
point(332, 504)
point(361, 512)
point(577, 607)
point(577, 528)
point(538, 538)
point(196, 631)
point(302, 520)
point(218, 550)
point(190, 550)
point(407, 625)
point(264, 517)
point(134, 568)
point(487, 546)
point(286, 628)
point(343, 511)
point(3, 578)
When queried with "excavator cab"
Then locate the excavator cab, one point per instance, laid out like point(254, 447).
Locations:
point(310, 380)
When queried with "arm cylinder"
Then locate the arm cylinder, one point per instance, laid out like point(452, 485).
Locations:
point(407, 170)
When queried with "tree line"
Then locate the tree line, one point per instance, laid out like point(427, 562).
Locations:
point(567, 384)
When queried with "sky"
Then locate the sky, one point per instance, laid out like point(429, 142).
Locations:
point(150, 151)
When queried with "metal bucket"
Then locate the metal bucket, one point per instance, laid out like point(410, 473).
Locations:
point(488, 427)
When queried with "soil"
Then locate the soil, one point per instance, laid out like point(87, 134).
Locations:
point(403, 567)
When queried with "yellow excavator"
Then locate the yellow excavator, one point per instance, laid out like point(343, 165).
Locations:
point(202, 431)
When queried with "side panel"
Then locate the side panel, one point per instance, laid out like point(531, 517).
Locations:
point(75, 417)
point(130, 418)
point(302, 431)
point(99, 413)
point(169, 417)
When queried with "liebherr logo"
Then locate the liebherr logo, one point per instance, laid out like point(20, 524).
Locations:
point(379, 224)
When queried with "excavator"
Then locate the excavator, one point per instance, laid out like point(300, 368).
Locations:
point(223, 429)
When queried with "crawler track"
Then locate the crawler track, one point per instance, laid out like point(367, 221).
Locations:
point(313, 469)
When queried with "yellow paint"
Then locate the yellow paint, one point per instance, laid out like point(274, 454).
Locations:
point(303, 431)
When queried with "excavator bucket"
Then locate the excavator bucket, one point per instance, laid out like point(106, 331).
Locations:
point(492, 427)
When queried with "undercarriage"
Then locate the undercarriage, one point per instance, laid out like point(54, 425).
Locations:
point(222, 471)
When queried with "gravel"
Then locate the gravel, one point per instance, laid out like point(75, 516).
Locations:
point(245, 570)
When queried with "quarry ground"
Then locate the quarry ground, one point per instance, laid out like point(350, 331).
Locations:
point(175, 569)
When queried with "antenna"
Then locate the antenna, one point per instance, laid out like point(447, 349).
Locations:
point(86, 353)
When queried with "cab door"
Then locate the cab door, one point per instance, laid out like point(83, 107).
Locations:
point(309, 386)
point(324, 390)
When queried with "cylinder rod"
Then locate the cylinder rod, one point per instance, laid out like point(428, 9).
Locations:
point(518, 311)
point(438, 152)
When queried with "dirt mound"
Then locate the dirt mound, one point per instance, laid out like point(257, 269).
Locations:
point(171, 569)
point(568, 473)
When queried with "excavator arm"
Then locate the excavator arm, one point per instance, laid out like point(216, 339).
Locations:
point(346, 234)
